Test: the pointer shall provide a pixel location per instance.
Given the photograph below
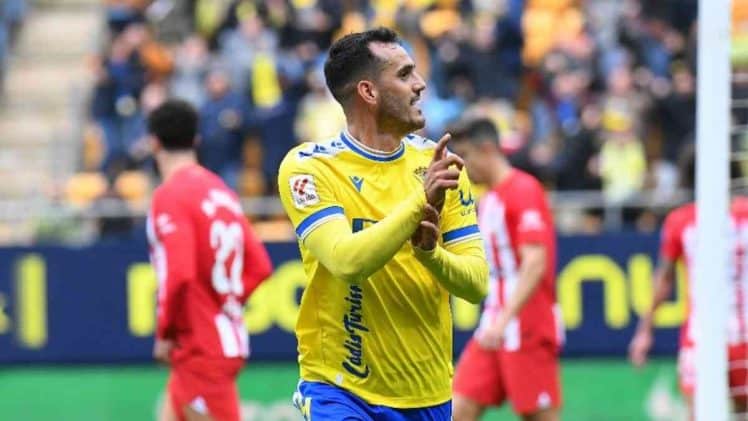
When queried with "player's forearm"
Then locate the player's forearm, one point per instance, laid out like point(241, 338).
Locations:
point(663, 285)
point(530, 275)
point(168, 301)
point(464, 275)
point(258, 268)
point(165, 319)
point(354, 257)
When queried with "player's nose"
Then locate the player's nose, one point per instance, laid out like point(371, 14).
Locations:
point(419, 84)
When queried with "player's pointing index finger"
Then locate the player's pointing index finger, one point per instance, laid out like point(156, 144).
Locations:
point(441, 147)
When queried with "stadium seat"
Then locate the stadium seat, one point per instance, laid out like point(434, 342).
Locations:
point(251, 183)
point(85, 187)
point(134, 187)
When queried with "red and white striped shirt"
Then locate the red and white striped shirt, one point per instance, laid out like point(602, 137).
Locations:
point(208, 261)
point(679, 243)
point(515, 213)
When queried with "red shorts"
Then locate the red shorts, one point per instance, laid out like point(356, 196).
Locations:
point(737, 365)
point(214, 394)
point(529, 378)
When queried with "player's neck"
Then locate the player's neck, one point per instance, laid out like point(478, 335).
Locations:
point(372, 137)
point(500, 171)
point(171, 162)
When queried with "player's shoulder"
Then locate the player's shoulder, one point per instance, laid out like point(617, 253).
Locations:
point(420, 149)
point(740, 206)
point(525, 184)
point(307, 154)
point(190, 186)
point(524, 178)
point(681, 215)
point(419, 143)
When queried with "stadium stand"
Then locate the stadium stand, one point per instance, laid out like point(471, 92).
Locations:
point(607, 89)
point(44, 80)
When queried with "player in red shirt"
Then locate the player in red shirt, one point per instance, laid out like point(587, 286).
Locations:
point(514, 352)
point(678, 244)
point(208, 261)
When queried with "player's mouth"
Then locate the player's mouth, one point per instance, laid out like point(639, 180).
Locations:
point(416, 102)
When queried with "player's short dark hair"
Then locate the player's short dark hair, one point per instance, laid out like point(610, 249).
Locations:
point(174, 124)
point(350, 60)
point(476, 130)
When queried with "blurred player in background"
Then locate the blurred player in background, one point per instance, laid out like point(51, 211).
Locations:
point(677, 245)
point(208, 261)
point(387, 231)
point(514, 352)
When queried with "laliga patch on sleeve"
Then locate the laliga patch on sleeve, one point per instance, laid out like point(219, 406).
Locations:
point(303, 191)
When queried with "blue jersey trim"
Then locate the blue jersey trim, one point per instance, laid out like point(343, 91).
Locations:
point(312, 220)
point(380, 158)
point(460, 233)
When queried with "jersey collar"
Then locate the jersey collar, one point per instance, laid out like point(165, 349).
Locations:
point(368, 152)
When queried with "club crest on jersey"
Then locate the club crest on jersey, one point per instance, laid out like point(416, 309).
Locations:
point(420, 173)
point(303, 191)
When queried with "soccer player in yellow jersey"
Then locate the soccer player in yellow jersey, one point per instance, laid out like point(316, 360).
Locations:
point(387, 229)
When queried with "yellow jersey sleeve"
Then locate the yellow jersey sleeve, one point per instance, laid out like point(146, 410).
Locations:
point(321, 226)
point(459, 263)
point(306, 194)
point(458, 219)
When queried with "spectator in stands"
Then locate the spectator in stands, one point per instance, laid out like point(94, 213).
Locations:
point(224, 122)
point(320, 116)
point(676, 115)
point(575, 165)
point(495, 44)
point(155, 57)
point(13, 14)
point(120, 78)
point(239, 48)
point(577, 88)
point(190, 68)
point(139, 152)
point(121, 13)
point(622, 161)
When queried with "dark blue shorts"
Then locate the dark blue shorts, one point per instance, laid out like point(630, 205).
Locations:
point(324, 402)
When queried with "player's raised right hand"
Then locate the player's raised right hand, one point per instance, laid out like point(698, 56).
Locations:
point(441, 175)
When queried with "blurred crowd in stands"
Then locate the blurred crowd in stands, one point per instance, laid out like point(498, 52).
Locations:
point(12, 13)
point(588, 95)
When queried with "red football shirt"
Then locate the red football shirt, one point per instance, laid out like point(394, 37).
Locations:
point(679, 243)
point(208, 261)
point(515, 213)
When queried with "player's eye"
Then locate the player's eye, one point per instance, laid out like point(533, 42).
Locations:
point(405, 72)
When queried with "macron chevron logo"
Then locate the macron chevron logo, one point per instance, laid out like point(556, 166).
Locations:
point(357, 181)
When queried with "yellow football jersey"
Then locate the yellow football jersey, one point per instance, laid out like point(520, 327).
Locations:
point(387, 339)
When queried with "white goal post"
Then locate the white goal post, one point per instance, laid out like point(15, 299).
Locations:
point(711, 274)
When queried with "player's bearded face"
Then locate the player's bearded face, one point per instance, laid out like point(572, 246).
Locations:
point(400, 88)
point(402, 110)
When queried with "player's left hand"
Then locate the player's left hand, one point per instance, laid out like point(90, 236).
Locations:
point(162, 350)
point(492, 337)
point(427, 233)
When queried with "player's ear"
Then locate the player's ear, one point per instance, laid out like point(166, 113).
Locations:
point(367, 91)
point(154, 144)
point(488, 148)
point(198, 140)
